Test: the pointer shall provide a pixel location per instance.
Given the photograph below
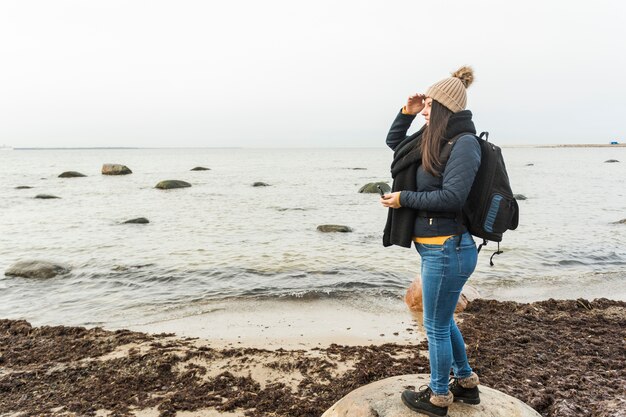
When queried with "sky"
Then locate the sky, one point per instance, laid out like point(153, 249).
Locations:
point(280, 73)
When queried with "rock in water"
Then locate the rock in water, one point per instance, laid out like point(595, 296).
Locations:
point(260, 184)
point(413, 297)
point(36, 269)
point(71, 174)
point(382, 399)
point(23, 187)
point(623, 221)
point(46, 196)
point(138, 220)
point(371, 187)
point(170, 184)
point(200, 169)
point(611, 161)
point(115, 169)
point(329, 228)
point(519, 197)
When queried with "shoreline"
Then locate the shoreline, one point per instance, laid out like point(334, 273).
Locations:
point(560, 351)
point(295, 324)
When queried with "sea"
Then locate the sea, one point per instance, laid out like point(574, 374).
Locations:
point(222, 240)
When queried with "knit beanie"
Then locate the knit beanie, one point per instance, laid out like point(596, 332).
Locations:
point(451, 91)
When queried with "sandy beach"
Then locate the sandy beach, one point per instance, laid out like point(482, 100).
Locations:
point(564, 358)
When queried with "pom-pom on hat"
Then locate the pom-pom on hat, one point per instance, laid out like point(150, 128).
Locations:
point(451, 91)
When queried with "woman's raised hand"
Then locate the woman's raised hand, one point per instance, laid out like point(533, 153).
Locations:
point(415, 103)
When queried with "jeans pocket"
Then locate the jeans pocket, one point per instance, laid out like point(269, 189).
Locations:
point(467, 257)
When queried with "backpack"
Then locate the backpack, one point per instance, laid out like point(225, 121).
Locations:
point(490, 208)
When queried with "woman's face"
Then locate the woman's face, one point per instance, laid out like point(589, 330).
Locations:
point(426, 111)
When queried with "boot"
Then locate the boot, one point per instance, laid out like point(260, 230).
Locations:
point(465, 390)
point(426, 402)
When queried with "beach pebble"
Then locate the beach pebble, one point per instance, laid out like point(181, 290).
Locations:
point(382, 399)
point(170, 184)
point(36, 269)
point(46, 196)
point(260, 184)
point(200, 169)
point(23, 187)
point(371, 187)
point(413, 297)
point(71, 174)
point(330, 228)
point(115, 169)
point(610, 161)
point(519, 197)
point(138, 220)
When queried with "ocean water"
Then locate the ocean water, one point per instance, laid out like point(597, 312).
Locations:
point(223, 240)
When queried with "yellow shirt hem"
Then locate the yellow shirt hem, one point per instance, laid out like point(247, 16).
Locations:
point(432, 240)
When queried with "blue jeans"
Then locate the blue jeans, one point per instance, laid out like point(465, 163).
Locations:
point(445, 269)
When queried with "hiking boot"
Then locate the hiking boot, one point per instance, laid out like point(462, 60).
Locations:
point(426, 402)
point(465, 390)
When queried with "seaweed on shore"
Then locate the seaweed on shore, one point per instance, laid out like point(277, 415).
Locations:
point(564, 358)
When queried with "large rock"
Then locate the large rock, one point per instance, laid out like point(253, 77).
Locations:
point(519, 197)
point(260, 184)
point(623, 221)
point(71, 174)
point(331, 228)
point(200, 169)
point(46, 196)
point(36, 269)
point(115, 169)
point(611, 161)
point(382, 399)
point(413, 297)
point(371, 187)
point(23, 187)
point(170, 184)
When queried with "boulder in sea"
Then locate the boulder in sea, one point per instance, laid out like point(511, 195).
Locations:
point(260, 184)
point(519, 197)
point(330, 228)
point(611, 161)
point(530, 165)
point(413, 297)
point(36, 269)
point(115, 169)
point(71, 174)
point(171, 184)
point(623, 221)
point(371, 187)
point(138, 220)
point(200, 169)
point(46, 196)
point(23, 187)
point(382, 399)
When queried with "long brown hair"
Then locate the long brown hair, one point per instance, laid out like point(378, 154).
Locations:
point(433, 136)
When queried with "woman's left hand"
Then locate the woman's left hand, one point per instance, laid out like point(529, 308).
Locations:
point(391, 200)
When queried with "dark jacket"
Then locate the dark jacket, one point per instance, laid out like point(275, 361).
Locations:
point(425, 198)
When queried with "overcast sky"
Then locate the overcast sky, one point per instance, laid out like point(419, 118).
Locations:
point(291, 73)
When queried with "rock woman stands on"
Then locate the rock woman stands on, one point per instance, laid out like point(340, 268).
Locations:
point(424, 210)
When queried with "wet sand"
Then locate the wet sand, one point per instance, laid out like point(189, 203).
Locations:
point(564, 358)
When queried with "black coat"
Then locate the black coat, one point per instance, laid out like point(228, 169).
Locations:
point(401, 222)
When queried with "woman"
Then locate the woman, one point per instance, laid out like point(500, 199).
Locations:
point(425, 209)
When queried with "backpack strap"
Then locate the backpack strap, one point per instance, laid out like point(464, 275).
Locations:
point(446, 148)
